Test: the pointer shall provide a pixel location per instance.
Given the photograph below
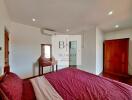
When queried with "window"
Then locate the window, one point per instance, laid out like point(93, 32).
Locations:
point(46, 50)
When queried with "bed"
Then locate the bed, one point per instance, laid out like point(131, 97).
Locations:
point(70, 84)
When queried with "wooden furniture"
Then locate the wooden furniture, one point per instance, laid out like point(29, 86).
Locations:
point(125, 79)
point(6, 68)
point(71, 80)
point(116, 56)
point(46, 58)
point(6, 47)
point(45, 62)
point(6, 71)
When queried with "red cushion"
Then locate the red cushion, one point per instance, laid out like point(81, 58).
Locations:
point(12, 86)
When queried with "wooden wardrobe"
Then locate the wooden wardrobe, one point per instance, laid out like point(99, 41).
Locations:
point(116, 56)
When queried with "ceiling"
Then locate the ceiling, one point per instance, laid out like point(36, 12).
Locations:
point(72, 14)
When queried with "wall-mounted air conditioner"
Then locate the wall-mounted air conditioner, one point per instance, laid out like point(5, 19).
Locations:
point(46, 31)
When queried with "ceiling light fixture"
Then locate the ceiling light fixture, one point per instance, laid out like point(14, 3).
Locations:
point(33, 19)
point(116, 26)
point(110, 13)
point(67, 30)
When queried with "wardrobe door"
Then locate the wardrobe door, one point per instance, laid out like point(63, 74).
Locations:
point(116, 56)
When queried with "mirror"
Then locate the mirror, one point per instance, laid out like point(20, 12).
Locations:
point(46, 50)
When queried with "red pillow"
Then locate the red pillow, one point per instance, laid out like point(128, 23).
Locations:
point(12, 86)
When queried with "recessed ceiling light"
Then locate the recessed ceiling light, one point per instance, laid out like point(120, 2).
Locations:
point(67, 30)
point(33, 19)
point(116, 26)
point(110, 13)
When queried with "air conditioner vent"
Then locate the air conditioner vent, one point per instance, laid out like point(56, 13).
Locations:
point(47, 31)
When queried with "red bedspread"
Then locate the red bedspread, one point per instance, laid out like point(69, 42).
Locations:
point(73, 84)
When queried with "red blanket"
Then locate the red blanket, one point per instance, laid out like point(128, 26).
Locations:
point(73, 84)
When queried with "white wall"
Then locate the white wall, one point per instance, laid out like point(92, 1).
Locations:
point(62, 55)
point(92, 50)
point(127, 33)
point(4, 22)
point(26, 49)
point(89, 51)
point(25, 46)
point(99, 51)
